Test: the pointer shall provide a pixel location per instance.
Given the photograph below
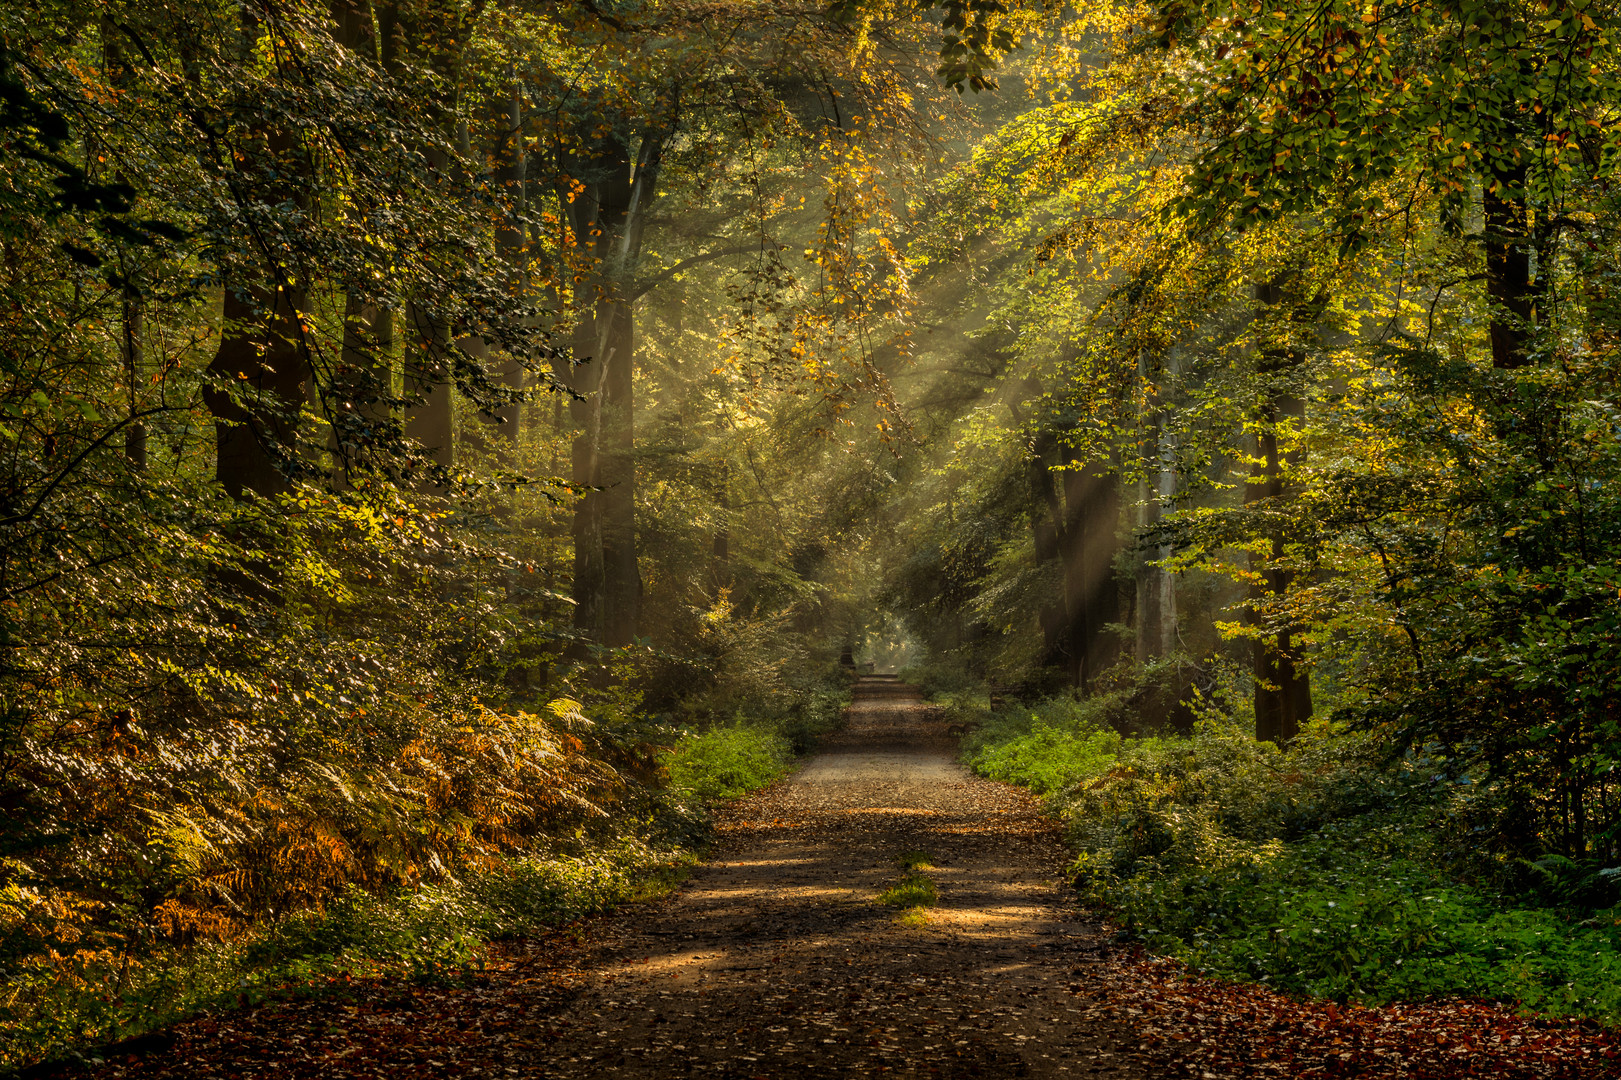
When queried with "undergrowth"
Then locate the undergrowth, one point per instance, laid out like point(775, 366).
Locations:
point(1319, 869)
point(730, 761)
point(436, 933)
point(66, 1001)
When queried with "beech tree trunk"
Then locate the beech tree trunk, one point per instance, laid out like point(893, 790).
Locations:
point(1510, 246)
point(134, 325)
point(611, 212)
point(427, 385)
point(1282, 686)
point(132, 312)
point(1083, 515)
point(1156, 587)
point(256, 383)
point(358, 403)
point(262, 357)
point(434, 36)
point(511, 174)
point(1088, 543)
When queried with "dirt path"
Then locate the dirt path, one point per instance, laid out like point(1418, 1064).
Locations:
point(777, 960)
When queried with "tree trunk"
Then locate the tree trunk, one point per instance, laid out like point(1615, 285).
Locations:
point(1282, 687)
point(1509, 275)
point(1053, 617)
point(1088, 543)
point(510, 175)
point(434, 36)
point(618, 191)
point(132, 313)
point(622, 581)
point(134, 325)
point(427, 385)
point(362, 387)
point(256, 385)
point(262, 357)
point(1156, 587)
point(721, 543)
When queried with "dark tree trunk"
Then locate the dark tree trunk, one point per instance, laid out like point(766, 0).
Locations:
point(132, 314)
point(262, 357)
point(362, 387)
point(1282, 687)
point(1088, 543)
point(1155, 586)
point(1056, 643)
point(608, 586)
point(257, 380)
point(133, 320)
point(510, 175)
point(622, 581)
point(434, 36)
point(1509, 276)
point(721, 544)
point(427, 385)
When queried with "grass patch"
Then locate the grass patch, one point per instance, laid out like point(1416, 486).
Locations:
point(915, 892)
point(917, 918)
point(914, 860)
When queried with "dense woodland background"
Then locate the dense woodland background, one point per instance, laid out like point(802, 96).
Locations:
point(444, 443)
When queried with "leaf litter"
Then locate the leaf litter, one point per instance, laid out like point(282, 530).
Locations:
point(777, 960)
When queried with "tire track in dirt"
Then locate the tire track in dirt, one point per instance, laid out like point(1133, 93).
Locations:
point(776, 959)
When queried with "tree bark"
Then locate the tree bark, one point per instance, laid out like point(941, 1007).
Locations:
point(134, 325)
point(1156, 587)
point(263, 358)
point(256, 386)
point(1510, 283)
point(511, 173)
point(1088, 543)
point(1282, 687)
point(435, 34)
point(611, 213)
point(132, 312)
point(427, 385)
point(362, 387)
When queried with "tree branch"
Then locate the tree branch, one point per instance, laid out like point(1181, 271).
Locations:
point(647, 286)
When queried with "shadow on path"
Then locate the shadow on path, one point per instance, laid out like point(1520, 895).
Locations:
point(777, 960)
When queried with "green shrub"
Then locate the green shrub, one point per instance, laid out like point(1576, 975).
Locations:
point(727, 762)
point(1317, 869)
point(815, 712)
point(912, 861)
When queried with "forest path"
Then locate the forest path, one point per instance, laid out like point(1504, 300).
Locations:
point(776, 958)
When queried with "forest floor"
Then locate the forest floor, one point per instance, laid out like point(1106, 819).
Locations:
point(777, 959)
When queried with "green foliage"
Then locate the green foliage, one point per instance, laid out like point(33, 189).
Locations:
point(728, 761)
point(1044, 748)
point(911, 891)
point(1316, 868)
point(434, 933)
point(914, 860)
point(1482, 90)
point(1354, 911)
